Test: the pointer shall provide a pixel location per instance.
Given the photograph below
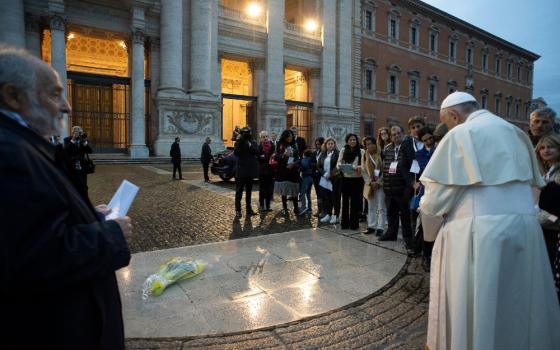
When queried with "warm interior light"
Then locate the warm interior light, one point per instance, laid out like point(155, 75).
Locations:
point(122, 44)
point(311, 25)
point(71, 36)
point(254, 10)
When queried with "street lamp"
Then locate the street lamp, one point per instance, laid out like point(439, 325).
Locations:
point(311, 25)
point(254, 10)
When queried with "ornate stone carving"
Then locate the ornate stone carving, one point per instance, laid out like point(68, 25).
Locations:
point(137, 37)
point(189, 123)
point(336, 131)
point(57, 23)
point(276, 125)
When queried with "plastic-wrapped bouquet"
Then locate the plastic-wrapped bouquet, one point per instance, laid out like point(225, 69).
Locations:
point(173, 270)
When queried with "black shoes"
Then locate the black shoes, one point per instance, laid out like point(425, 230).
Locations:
point(379, 232)
point(369, 231)
point(250, 212)
point(386, 237)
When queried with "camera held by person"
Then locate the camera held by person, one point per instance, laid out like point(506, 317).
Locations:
point(246, 134)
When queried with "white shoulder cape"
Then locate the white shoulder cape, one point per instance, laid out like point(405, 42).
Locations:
point(485, 150)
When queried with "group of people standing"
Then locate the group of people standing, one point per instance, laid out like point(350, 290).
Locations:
point(378, 176)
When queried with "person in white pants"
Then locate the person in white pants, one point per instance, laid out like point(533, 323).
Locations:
point(372, 188)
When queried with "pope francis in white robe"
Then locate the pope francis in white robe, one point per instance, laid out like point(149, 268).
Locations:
point(491, 284)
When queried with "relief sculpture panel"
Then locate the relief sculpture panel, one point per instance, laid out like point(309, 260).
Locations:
point(189, 123)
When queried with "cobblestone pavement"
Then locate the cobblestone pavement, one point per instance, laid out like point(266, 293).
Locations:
point(170, 214)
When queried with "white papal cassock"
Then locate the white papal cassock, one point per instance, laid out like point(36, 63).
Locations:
point(491, 284)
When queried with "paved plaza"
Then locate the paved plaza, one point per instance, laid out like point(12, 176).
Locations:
point(269, 281)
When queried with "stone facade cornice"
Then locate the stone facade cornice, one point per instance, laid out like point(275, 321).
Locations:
point(457, 23)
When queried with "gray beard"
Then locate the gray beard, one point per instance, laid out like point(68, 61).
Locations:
point(45, 124)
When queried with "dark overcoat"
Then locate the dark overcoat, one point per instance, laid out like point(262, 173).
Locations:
point(246, 164)
point(175, 153)
point(58, 258)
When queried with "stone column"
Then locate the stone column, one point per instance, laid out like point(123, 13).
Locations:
point(154, 80)
point(328, 60)
point(12, 23)
point(33, 35)
point(344, 54)
point(216, 68)
point(201, 43)
point(274, 106)
point(58, 54)
point(138, 147)
point(171, 39)
point(314, 94)
point(259, 80)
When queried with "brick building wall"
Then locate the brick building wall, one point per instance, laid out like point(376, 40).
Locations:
point(391, 47)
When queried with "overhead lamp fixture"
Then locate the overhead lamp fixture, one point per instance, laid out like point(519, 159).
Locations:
point(70, 36)
point(311, 25)
point(254, 9)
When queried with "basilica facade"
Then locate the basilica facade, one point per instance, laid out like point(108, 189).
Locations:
point(141, 72)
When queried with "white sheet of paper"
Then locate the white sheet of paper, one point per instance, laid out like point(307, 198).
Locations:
point(393, 167)
point(376, 172)
point(415, 167)
point(290, 160)
point(325, 183)
point(122, 200)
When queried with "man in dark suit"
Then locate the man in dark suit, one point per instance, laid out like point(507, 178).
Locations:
point(246, 169)
point(397, 185)
point(273, 139)
point(58, 254)
point(300, 141)
point(206, 158)
point(175, 154)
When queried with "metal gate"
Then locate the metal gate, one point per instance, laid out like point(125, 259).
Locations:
point(300, 114)
point(101, 106)
point(246, 115)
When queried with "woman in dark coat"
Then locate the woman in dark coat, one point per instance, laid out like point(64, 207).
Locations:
point(327, 167)
point(266, 179)
point(352, 183)
point(287, 176)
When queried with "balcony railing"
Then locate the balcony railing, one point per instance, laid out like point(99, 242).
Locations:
point(242, 16)
point(291, 27)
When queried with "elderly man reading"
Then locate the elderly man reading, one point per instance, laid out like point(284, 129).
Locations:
point(58, 257)
point(491, 284)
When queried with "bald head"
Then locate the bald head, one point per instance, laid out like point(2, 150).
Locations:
point(29, 87)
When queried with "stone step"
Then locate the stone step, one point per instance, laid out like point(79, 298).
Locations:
point(119, 158)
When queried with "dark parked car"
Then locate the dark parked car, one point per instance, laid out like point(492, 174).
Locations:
point(223, 164)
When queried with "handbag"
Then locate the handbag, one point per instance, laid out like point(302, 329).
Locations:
point(89, 165)
point(273, 163)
